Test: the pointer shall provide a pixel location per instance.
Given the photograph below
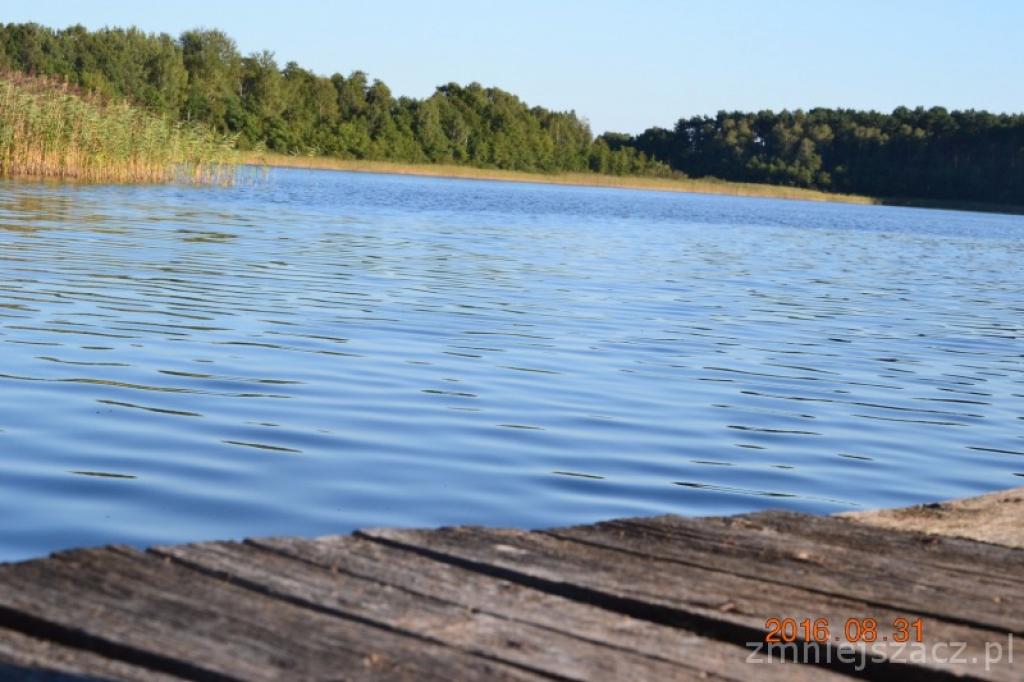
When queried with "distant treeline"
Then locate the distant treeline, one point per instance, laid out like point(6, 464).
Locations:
point(201, 77)
point(913, 153)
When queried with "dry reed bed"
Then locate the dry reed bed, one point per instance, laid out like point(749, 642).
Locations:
point(49, 129)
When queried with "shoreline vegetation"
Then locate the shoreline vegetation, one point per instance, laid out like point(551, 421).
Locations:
point(589, 179)
point(582, 179)
point(969, 160)
point(49, 129)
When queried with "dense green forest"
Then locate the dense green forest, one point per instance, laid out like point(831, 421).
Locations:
point(920, 153)
point(201, 77)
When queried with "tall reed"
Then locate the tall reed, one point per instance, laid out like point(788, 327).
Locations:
point(49, 129)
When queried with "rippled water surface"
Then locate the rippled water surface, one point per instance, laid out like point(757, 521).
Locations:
point(321, 351)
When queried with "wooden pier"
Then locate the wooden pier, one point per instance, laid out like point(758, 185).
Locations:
point(666, 598)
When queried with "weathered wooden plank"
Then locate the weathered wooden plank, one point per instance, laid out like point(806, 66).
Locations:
point(733, 607)
point(890, 580)
point(306, 584)
point(618, 600)
point(987, 561)
point(122, 604)
point(24, 658)
point(565, 627)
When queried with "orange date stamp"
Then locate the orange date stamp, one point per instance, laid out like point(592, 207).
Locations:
point(854, 630)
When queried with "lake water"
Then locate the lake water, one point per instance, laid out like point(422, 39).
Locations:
point(320, 351)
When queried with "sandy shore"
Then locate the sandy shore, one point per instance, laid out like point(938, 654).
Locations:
point(997, 518)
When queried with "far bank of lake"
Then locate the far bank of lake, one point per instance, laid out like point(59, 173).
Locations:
point(683, 185)
point(686, 185)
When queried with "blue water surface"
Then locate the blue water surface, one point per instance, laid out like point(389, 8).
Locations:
point(318, 351)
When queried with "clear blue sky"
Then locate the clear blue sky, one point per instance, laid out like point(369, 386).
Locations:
point(623, 65)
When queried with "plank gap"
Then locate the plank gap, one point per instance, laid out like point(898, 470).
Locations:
point(493, 612)
point(732, 633)
point(335, 612)
point(43, 629)
point(948, 618)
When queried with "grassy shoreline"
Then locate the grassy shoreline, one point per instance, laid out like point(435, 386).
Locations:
point(685, 185)
point(697, 186)
point(51, 130)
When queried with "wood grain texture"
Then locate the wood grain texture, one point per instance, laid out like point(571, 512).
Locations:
point(28, 658)
point(580, 628)
point(155, 614)
point(620, 568)
point(827, 562)
point(338, 592)
point(664, 598)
